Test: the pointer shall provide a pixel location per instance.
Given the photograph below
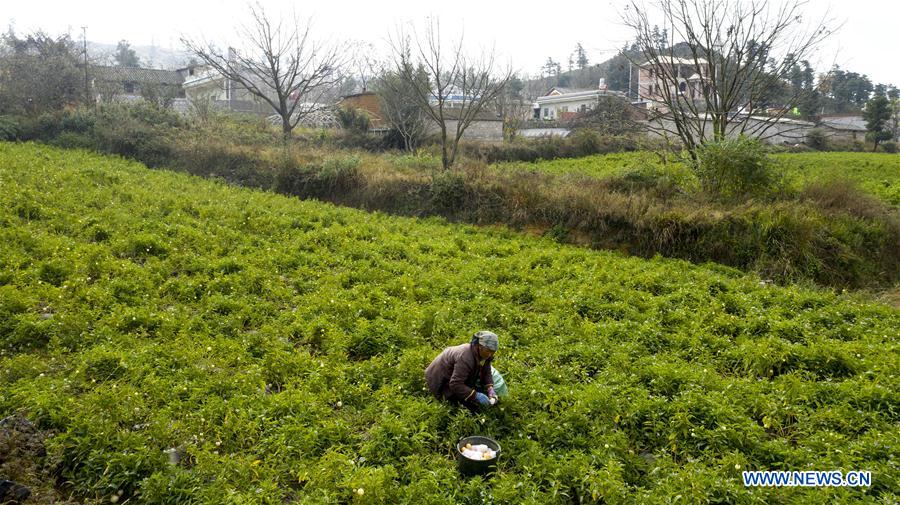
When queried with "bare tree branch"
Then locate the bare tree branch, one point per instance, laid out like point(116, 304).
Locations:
point(281, 65)
point(457, 87)
point(741, 53)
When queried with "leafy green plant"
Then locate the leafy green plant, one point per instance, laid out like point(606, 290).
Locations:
point(269, 350)
point(734, 168)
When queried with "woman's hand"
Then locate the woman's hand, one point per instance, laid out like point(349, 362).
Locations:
point(482, 399)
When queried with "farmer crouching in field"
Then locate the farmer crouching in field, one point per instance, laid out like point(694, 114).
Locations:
point(464, 374)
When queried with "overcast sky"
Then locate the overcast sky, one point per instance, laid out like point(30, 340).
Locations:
point(524, 34)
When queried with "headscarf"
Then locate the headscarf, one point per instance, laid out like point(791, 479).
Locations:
point(487, 339)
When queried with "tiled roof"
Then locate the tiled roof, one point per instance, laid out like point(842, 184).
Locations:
point(854, 123)
point(136, 74)
point(565, 91)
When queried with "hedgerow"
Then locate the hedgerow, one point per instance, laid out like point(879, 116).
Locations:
point(179, 340)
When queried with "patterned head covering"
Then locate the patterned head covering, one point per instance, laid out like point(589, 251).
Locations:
point(487, 339)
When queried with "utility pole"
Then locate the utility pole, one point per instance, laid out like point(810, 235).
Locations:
point(87, 88)
point(629, 80)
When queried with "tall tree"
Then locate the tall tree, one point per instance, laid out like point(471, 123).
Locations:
point(877, 115)
point(282, 65)
point(621, 74)
point(551, 68)
point(848, 91)
point(125, 55)
point(581, 58)
point(732, 49)
point(460, 86)
point(39, 73)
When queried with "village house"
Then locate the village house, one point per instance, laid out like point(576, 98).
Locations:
point(486, 126)
point(564, 104)
point(846, 127)
point(202, 82)
point(133, 83)
point(688, 73)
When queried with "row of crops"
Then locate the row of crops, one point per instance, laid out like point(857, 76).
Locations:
point(179, 340)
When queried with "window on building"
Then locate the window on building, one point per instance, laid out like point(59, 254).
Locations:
point(546, 112)
point(129, 87)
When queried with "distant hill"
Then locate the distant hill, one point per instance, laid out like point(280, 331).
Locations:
point(150, 56)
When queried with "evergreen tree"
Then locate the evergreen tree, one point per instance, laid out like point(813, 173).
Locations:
point(877, 115)
point(551, 68)
point(849, 91)
point(581, 58)
point(125, 55)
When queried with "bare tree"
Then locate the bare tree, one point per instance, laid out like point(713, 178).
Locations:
point(738, 53)
point(281, 65)
point(458, 89)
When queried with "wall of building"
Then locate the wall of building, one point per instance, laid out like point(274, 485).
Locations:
point(780, 133)
point(554, 110)
point(477, 130)
point(368, 102)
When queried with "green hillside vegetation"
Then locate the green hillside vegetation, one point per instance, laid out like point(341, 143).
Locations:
point(827, 232)
point(177, 340)
point(875, 173)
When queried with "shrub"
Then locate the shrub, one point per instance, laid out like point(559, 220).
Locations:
point(734, 168)
point(889, 146)
point(333, 177)
point(9, 128)
point(817, 140)
point(78, 121)
point(72, 140)
point(138, 132)
point(585, 142)
point(449, 192)
point(355, 120)
point(212, 157)
point(582, 142)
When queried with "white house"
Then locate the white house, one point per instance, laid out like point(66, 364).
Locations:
point(203, 82)
point(564, 103)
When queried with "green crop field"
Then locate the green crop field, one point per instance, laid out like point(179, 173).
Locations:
point(875, 173)
point(178, 340)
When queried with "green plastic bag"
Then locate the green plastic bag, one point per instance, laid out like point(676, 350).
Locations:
point(499, 384)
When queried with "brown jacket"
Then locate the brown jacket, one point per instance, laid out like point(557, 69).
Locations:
point(454, 374)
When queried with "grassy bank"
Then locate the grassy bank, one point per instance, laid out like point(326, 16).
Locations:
point(877, 174)
point(818, 227)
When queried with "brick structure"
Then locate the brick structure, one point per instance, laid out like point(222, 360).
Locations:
point(368, 102)
point(486, 127)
